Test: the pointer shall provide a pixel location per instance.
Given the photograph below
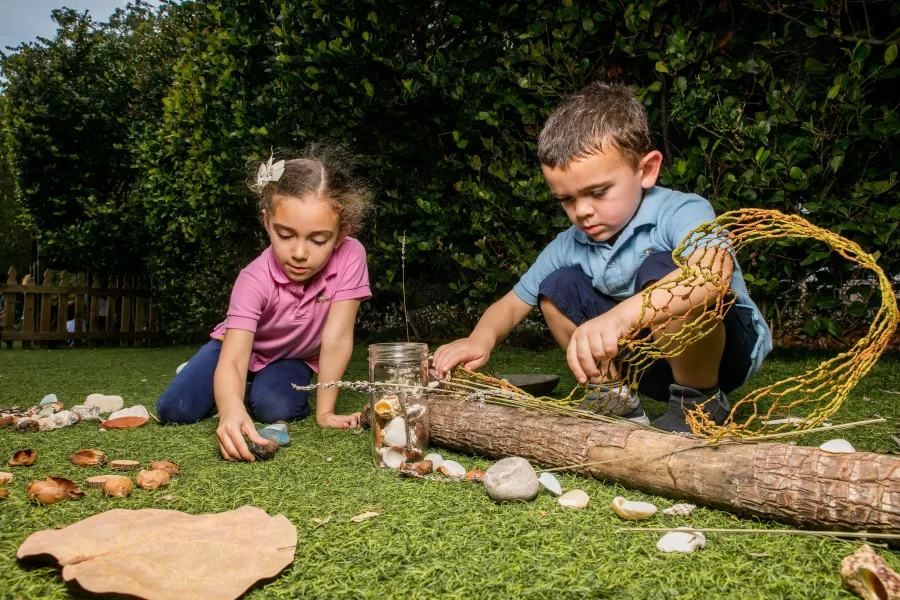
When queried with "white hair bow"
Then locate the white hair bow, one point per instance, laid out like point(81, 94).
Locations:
point(268, 172)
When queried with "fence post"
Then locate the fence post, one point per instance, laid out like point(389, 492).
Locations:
point(46, 307)
point(140, 315)
point(94, 301)
point(62, 304)
point(28, 311)
point(9, 306)
point(80, 288)
point(126, 311)
point(111, 313)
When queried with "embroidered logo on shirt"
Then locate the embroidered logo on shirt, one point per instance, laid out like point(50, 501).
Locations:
point(322, 298)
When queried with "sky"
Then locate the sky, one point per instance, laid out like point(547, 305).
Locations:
point(24, 20)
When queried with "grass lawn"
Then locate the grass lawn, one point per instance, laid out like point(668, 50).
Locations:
point(430, 540)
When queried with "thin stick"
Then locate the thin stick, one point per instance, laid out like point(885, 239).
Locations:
point(155, 418)
point(838, 534)
point(403, 281)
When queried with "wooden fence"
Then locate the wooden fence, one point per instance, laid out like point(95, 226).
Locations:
point(40, 313)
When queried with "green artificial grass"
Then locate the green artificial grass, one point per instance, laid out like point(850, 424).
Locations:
point(430, 540)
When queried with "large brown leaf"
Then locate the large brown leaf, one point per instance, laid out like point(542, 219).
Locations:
point(166, 554)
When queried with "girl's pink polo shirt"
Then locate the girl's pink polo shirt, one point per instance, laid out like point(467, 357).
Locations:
point(287, 317)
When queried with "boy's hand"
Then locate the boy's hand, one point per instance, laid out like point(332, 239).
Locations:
point(338, 421)
point(470, 351)
point(594, 341)
point(231, 431)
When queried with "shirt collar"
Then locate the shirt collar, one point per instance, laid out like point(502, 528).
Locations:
point(313, 286)
point(645, 215)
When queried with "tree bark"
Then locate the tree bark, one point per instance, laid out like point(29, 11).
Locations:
point(799, 485)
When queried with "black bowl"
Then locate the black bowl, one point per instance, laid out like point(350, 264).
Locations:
point(536, 385)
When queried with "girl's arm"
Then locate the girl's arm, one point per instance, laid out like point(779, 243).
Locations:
point(229, 384)
point(334, 355)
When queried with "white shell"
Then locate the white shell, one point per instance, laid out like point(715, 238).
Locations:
point(395, 432)
point(180, 367)
point(575, 499)
point(837, 446)
point(393, 458)
point(436, 460)
point(451, 468)
point(550, 483)
point(632, 511)
point(682, 509)
point(388, 407)
point(785, 421)
point(681, 541)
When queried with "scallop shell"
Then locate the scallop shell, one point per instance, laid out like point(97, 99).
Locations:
point(395, 432)
point(869, 577)
point(838, 446)
point(388, 407)
point(5, 478)
point(23, 458)
point(550, 483)
point(117, 485)
point(393, 457)
point(436, 460)
point(632, 511)
point(682, 509)
point(681, 541)
point(165, 465)
point(451, 468)
point(575, 499)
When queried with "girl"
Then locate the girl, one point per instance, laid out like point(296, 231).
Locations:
point(292, 310)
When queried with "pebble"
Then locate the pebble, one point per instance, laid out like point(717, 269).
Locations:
point(276, 435)
point(106, 403)
point(87, 413)
point(838, 447)
point(132, 411)
point(510, 479)
point(64, 418)
point(46, 411)
point(266, 452)
point(26, 425)
point(180, 367)
point(681, 541)
point(279, 426)
point(48, 399)
point(575, 499)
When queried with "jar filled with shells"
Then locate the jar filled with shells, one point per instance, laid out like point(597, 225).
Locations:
point(399, 417)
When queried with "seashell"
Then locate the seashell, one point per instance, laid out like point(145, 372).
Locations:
point(58, 420)
point(575, 499)
point(88, 458)
point(117, 486)
point(681, 541)
point(550, 483)
point(415, 411)
point(682, 509)
point(413, 454)
point(124, 423)
point(87, 413)
point(395, 432)
point(5, 478)
point(97, 481)
point(436, 459)
point(420, 468)
point(388, 407)
point(69, 486)
point(46, 492)
point(632, 511)
point(124, 465)
point(49, 409)
point(837, 446)
point(7, 420)
point(27, 425)
point(4, 492)
point(451, 468)
point(475, 475)
point(393, 457)
point(869, 577)
point(180, 367)
point(23, 458)
point(266, 452)
point(150, 480)
point(165, 465)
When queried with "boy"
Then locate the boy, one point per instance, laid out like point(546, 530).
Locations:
point(597, 157)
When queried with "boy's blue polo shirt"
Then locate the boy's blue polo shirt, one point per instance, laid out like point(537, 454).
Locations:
point(663, 220)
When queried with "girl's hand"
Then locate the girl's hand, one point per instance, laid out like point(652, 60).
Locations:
point(230, 433)
point(338, 421)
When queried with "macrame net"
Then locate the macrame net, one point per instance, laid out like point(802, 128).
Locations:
point(797, 403)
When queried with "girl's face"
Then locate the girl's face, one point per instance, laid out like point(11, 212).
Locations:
point(303, 233)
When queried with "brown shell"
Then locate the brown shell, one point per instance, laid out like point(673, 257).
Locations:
point(150, 480)
point(124, 423)
point(7, 420)
point(69, 486)
point(869, 577)
point(23, 458)
point(4, 492)
point(165, 465)
point(46, 492)
point(124, 465)
point(88, 458)
point(5, 478)
point(420, 468)
point(117, 486)
point(27, 425)
point(476, 475)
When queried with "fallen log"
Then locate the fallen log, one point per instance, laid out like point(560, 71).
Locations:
point(799, 485)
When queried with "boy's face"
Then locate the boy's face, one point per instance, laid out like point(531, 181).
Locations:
point(601, 192)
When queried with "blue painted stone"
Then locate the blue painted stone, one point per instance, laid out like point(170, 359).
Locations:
point(48, 399)
point(276, 435)
point(278, 426)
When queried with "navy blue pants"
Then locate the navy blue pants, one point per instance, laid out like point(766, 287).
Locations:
point(190, 396)
point(573, 293)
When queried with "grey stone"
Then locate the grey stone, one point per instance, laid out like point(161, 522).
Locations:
point(106, 403)
point(276, 435)
point(87, 413)
point(48, 399)
point(510, 479)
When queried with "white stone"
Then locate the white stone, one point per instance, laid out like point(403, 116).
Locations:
point(48, 399)
point(575, 499)
point(510, 479)
point(681, 541)
point(180, 367)
point(632, 511)
point(106, 403)
point(550, 483)
point(451, 468)
point(63, 418)
point(395, 432)
point(87, 413)
point(131, 411)
point(838, 446)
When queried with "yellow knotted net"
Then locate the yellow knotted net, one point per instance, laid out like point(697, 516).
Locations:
point(666, 331)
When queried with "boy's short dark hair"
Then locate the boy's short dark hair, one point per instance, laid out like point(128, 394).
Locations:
point(600, 116)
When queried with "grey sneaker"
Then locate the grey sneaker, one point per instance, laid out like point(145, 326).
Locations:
point(684, 398)
point(620, 402)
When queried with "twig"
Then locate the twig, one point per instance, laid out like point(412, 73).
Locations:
point(403, 281)
point(155, 418)
point(838, 534)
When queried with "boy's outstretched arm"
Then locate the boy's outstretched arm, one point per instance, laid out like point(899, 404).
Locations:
point(495, 324)
point(334, 356)
point(598, 339)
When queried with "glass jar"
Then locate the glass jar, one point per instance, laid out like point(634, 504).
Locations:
point(399, 420)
